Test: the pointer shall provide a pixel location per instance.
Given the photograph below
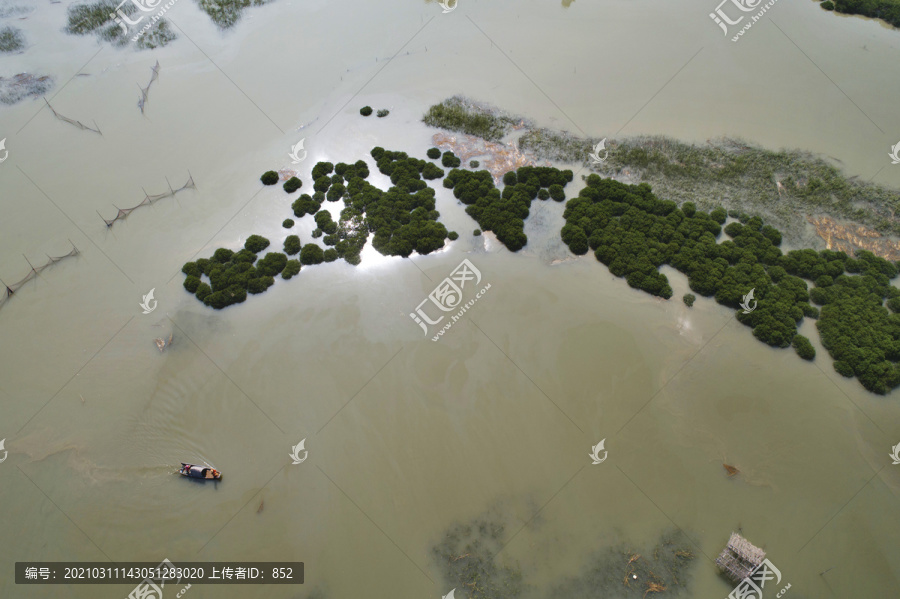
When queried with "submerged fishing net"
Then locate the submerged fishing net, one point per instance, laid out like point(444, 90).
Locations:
point(78, 124)
point(10, 290)
point(145, 91)
point(149, 199)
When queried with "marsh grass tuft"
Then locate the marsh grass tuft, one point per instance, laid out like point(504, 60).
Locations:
point(466, 116)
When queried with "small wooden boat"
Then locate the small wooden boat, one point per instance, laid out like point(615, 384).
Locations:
point(194, 471)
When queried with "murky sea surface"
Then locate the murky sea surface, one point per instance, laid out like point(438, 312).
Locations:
point(407, 436)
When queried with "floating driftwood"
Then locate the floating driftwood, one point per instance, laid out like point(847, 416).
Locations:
point(10, 290)
point(145, 91)
point(739, 558)
point(162, 344)
point(731, 470)
point(149, 199)
point(78, 124)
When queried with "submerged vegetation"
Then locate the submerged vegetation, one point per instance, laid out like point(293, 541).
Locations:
point(11, 39)
point(467, 559)
point(225, 13)
point(628, 572)
point(633, 233)
point(23, 85)
point(94, 18)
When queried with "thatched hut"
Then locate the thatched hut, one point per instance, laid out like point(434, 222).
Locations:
point(739, 558)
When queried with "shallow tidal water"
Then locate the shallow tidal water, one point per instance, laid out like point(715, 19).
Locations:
point(407, 436)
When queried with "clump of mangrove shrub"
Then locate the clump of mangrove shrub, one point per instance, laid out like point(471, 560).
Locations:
point(311, 254)
point(433, 153)
point(450, 160)
point(292, 245)
point(803, 347)
point(272, 264)
point(689, 299)
point(269, 178)
point(287, 223)
point(365, 110)
point(256, 243)
point(292, 184)
point(290, 269)
point(304, 205)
